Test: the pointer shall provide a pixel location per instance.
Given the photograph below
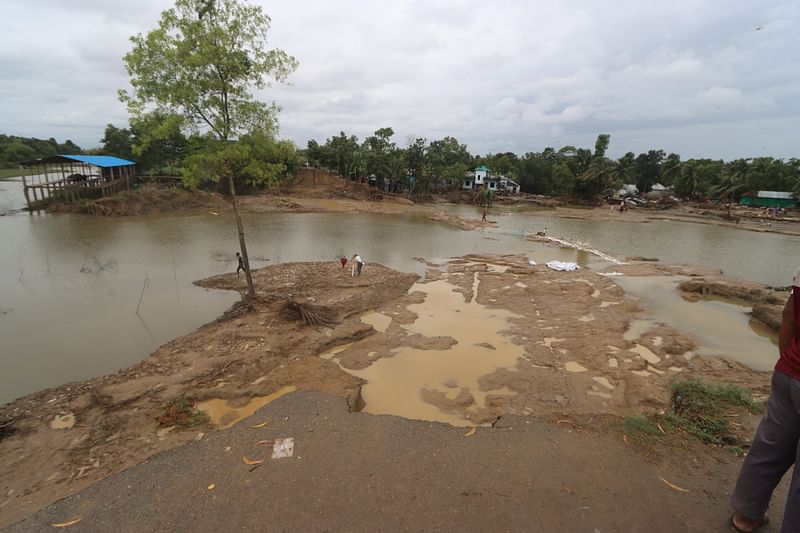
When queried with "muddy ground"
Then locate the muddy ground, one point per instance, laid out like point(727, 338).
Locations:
point(568, 329)
point(565, 332)
point(61, 440)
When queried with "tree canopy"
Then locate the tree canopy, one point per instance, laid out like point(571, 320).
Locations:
point(568, 171)
point(14, 149)
point(203, 62)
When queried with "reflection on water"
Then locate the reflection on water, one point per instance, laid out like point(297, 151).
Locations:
point(719, 327)
point(11, 197)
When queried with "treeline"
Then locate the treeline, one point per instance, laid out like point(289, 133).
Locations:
point(159, 146)
point(14, 149)
point(568, 171)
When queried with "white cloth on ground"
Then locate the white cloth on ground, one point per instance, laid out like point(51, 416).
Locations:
point(567, 266)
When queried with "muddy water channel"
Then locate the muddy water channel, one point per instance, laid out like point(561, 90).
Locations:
point(83, 296)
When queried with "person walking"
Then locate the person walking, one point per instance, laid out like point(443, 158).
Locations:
point(775, 445)
point(241, 264)
point(484, 215)
point(358, 264)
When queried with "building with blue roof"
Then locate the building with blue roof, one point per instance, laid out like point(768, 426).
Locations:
point(73, 177)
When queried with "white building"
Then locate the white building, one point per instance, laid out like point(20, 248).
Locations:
point(481, 177)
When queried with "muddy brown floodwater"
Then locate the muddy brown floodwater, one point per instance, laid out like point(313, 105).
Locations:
point(403, 381)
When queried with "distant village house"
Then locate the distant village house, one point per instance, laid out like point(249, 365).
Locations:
point(769, 199)
point(481, 177)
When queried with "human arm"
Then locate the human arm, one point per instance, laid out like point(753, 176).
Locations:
point(788, 328)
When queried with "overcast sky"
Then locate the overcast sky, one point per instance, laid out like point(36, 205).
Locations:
point(713, 78)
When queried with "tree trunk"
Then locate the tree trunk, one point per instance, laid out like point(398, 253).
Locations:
point(251, 291)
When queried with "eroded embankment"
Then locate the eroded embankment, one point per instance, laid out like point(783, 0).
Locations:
point(60, 440)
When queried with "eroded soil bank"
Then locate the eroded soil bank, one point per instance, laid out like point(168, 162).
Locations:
point(60, 440)
point(527, 341)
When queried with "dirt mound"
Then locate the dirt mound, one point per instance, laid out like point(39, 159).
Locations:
point(318, 183)
point(315, 177)
point(147, 200)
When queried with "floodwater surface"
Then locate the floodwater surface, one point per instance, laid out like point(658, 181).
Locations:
point(768, 258)
point(719, 327)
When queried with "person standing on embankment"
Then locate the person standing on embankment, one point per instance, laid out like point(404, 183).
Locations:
point(358, 264)
point(775, 446)
point(241, 264)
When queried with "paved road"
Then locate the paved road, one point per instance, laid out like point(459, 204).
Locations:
point(360, 472)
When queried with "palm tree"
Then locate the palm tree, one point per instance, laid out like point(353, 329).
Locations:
point(733, 182)
point(395, 171)
point(687, 182)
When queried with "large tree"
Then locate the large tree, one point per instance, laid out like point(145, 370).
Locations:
point(204, 61)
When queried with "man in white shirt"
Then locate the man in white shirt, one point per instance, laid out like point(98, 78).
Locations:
point(358, 264)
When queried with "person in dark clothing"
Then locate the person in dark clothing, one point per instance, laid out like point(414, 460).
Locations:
point(775, 445)
point(241, 264)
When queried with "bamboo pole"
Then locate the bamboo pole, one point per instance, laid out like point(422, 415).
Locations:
point(46, 181)
point(25, 191)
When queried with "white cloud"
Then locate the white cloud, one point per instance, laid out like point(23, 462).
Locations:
point(703, 77)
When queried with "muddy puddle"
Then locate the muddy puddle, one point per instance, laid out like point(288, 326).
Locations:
point(421, 384)
point(224, 415)
point(718, 326)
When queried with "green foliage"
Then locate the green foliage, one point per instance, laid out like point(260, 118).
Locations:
point(159, 142)
point(202, 62)
point(699, 408)
point(117, 141)
point(643, 429)
point(256, 161)
point(14, 149)
point(648, 170)
point(568, 171)
point(181, 413)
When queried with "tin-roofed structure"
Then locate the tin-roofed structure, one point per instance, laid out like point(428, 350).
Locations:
point(72, 177)
point(769, 199)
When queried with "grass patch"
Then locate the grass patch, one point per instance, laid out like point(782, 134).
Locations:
point(700, 408)
point(181, 413)
point(6, 173)
point(643, 428)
